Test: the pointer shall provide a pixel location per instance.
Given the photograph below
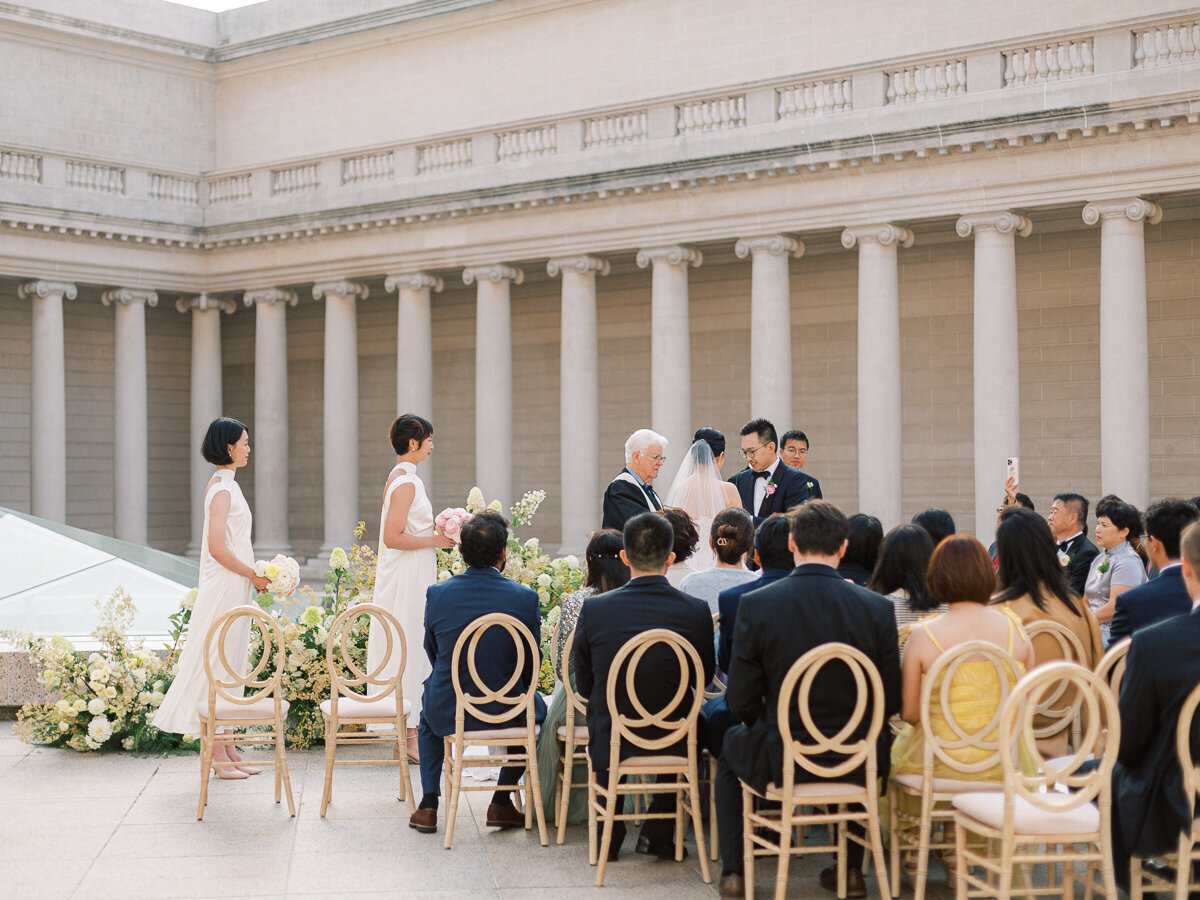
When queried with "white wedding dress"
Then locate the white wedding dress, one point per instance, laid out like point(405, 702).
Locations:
point(219, 591)
point(401, 577)
point(699, 490)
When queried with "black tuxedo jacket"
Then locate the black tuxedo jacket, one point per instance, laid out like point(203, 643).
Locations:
point(1082, 552)
point(1162, 668)
point(791, 488)
point(1157, 599)
point(623, 501)
point(606, 622)
point(778, 624)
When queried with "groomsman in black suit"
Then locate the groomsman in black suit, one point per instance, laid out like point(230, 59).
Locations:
point(793, 450)
point(1163, 666)
point(1068, 525)
point(605, 623)
point(766, 485)
point(1164, 596)
point(776, 625)
point(632, 491)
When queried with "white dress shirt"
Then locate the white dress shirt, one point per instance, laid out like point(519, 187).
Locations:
point(760, 486)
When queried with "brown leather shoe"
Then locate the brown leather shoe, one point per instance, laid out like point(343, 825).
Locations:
point(732, 885)
point(504, 815)
point(424, 821)
point(856, 888)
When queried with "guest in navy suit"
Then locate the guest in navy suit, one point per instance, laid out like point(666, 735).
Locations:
point(793, 450)
point(766, 485)
point(449, 608)
point(1166, 595)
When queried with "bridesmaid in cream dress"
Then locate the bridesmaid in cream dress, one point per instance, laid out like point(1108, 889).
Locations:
point(407, 562)
point(227, 579)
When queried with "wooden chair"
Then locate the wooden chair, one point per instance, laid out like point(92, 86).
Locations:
point(573, 737)
point(1112, 665)
point(830, 797)
point(1029, 820)
point(1060, 710)
point(674, 725)
point(346, 706)
point(519, 709)
point(935, 793)
point(263, 705)
point(1142, 879)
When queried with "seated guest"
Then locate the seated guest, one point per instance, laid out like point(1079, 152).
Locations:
point(1166, 595)
point(937, 522)
point(862, 551)
point(961, 578)
point(1068, 527)
point(603, 571)
point(1117, 567)
point(730, 537)
point(450, 607)
point(793, 450)
point(606, 622)
point(776, 625)
point(686, 540)
point(632, 491)
point(1150, 807)
point(900, 573)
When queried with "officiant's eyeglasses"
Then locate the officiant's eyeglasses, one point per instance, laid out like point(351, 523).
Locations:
point(655, 457)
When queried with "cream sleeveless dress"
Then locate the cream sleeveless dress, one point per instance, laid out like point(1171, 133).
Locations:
point(219, 591)
point(401, 577)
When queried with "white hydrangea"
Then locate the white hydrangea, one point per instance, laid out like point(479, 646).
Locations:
point(156, 698)
point(189, 599)
point(96, 706)
point(544, 580)
point(572, 561)
point(99, 730)
point(63, 726)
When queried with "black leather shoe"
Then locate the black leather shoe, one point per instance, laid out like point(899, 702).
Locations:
point(504, 815)
point(856, 888)
point(424, 821)
point(664, 850)
point(732, 886)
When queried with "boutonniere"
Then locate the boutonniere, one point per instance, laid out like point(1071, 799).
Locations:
point(810, 485)
point(1064, 558)
point(770, 488)
point(1106, 564)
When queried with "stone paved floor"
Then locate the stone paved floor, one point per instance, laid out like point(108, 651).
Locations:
point(79, 825)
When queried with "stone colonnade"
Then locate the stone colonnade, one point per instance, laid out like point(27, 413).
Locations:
point(1124, 390)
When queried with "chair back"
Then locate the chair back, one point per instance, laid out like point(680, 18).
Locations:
point(1112, 665)
point(1183, 747)
point(339, 657)
point(1017, 731)
point(972, 747)
point(1060, 708)
point(576, 703)
point(512, 704)
point(796, 692)
point(675, 721)
point(224, 677)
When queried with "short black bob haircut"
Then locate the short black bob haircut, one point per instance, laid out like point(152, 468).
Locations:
point(222, 434)
point(408, 428)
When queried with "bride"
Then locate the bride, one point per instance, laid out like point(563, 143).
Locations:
point(699, 488)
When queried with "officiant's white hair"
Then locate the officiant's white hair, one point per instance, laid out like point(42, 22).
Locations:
point(641, 441)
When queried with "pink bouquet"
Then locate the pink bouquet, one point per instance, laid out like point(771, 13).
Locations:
point(451, 521)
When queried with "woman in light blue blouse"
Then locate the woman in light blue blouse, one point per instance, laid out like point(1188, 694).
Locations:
point(1117, 567)
point(730, 537)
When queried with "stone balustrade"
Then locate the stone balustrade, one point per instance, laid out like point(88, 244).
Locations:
point(369, 167)
point(714, 114)
point(228, 189)
point(444, 156)
point(617, 130)
point(87, 176)
point(1166, 45)
point(927, 81)
point(174, 188)
point(814, 98)
point(526, 143)
point(296, 179)
point(20, 166)
point(1048, 62)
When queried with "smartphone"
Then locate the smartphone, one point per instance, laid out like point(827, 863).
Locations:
point(1014, 471)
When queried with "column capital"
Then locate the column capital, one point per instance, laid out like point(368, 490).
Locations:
point(885, 234)
point(1133, 208)
point(341, 287)
point(270, 296)
point(580, 264)
point(495, 272)
point(129, 297)
point(674, 254)
point(205, 303)
point(43, 289)
point(1005, 222)
point(414, 281)
point(774, 244)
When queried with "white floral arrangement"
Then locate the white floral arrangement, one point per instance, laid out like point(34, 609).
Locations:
point(283, 573)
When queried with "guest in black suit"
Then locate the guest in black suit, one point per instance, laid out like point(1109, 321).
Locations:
point(1149, 805)
point(766, 485)
point(776, 625)
point(1068, 527)
point(1166, 595)
point(605, 623)
point(632, 492)
point(793, 450)
point(862, 550)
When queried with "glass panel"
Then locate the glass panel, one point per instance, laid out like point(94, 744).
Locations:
point(31, 555)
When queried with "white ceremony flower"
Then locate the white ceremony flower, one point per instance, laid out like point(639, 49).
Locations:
point(157, 698)
point(544, 580)
point(63, 726)
point(96, 706)
point(189, 599)
point(338, 559)
point(80, 705)
point(127, 743)
point(144, 698)
point(189, 738)
point(475, 500)
point(64, 706)
point(443, 574)
point(99, 730)
point(572, 561)
point(157, 687)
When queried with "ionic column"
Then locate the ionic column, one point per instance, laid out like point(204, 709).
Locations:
point(879, 396)
point(493, 378)
point(770, 325)
point(206, 402)
point(48, 399)
point(129, 404)
point(341, 412)
point(670, 349)
point(270, 439)
point(1124, 337)
point(997, 387)
point(414, 348)
point(579, 398)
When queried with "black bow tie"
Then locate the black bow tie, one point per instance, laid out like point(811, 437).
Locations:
point(1063, 545)
point(763, 474)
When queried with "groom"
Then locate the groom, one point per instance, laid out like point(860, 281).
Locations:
point(766, 485)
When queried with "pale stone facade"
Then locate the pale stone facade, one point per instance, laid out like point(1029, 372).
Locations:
point(931, 242)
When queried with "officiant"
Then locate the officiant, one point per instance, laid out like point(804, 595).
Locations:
point(632, 491)
point(766, 485)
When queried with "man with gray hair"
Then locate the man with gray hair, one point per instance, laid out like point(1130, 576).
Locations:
point(632, 491)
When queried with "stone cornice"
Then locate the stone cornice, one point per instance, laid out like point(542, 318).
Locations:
point(673, 255)
point(885, 234)
point(206, 303)
point(495, 272)
point(43, 289)
point(581, 264)
point(129, 297)
point(1005, 222)
point(774, 244)
point(270, 296)
point(413, 281)
point(341, 287)
point(1133, 208)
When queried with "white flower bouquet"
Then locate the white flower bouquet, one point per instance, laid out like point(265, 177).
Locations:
point(450, 522)
point(283, 572)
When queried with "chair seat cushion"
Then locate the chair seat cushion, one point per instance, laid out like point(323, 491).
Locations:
point(350, 709)
point(1029, 819)
point(581, 734)
point(1059, 764)
point(808, 789)
point(645, 762)
point(263, 708)
point(498, 735)
point(947, 785)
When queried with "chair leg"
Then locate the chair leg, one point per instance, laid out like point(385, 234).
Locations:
point(330, 757)
point(281, 769)
point(680, 822)
point(698, 827)
point(610, 814)
point(747, 842)
point(206, 753)
point(788, 809)
point(894, 840)
point(452, 801)
point(841, 858)
point(592, 800)
point(923, 840)
point(1183, 866)
point(875, 834)
point(714, 833)
point(564, 788)
point(533, 787)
